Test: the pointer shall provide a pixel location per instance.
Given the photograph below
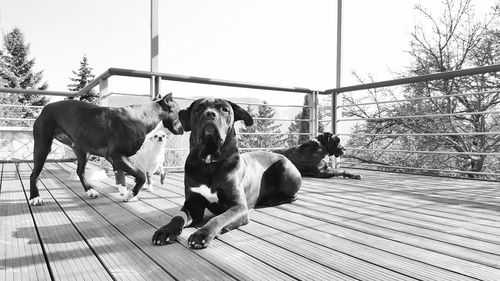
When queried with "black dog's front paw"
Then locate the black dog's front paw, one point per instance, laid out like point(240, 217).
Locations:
point(200, 239)
point(166, 234)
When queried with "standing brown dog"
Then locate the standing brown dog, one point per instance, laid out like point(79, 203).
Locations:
point(217, 177)
point(113, 133)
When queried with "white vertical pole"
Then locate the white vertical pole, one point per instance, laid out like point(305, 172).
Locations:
point(338, 74)
point(338, 68)
point(313, 114)
point(103, 91)
point(155, 47)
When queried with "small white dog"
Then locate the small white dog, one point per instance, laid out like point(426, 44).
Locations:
point(149, 159)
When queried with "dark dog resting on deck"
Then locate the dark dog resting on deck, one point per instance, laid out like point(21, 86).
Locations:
point(217, 177)
point(308, 157)
point(113, 133)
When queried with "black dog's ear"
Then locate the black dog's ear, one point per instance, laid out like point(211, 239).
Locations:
point(241, 114)
point(165, 99)
point(168, 96)
point(185, 118)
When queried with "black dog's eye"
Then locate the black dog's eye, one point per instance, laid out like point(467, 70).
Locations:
point(198, 109)
point(224, 109)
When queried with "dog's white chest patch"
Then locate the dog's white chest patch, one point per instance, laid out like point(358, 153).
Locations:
point(205, 191)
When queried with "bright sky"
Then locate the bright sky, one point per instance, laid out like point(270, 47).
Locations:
point(280, 42)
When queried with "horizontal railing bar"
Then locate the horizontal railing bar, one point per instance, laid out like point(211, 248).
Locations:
point(36, 92)
point(165, 76)
point(416, 168)
point(426, 152)
point(416, 79)
point(93, 83)
point(260, 148)
point(21, 106)
point(125, 94)
point(273, 105)
point(420, 98)
point(17, 119)
point(203, 80)
point(16, 129)
point(277, 119)
point(31, 160)
point(422, 116)
point(421, 134)
point(247, 103)
point(267, 134)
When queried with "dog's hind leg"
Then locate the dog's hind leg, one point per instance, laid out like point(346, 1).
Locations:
point(43, 134)
point(120, 182)
point(83, 158)
point(280, 184)
point(122, 163)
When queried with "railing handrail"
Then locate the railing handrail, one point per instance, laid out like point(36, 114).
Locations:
point(416, 79)
point(165, 76)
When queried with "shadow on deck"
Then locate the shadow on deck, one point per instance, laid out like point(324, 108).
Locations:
point(385, 227)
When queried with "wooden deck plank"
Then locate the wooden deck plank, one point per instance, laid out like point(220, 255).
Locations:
point(454, 250)
point(399, 223)
point(181, 262)
point(419, 214)
point(400, 211)
point(385, 227)
point(21, 255)
point(266, 251)
point(119, 255)
point(394, 262)
point(446, 206)
point(296, 245)
point(70, 258)
point(419, 248)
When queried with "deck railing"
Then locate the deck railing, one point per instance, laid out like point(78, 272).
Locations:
point(102, 82)
point(395, 131)
point(371, 141)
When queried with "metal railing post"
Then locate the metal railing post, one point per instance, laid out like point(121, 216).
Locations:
point(103, 101)
point(103, 92)
point(313, 114)
point(155, 50)
point(338, 75)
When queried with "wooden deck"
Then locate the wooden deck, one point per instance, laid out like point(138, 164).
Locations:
point(385, 227)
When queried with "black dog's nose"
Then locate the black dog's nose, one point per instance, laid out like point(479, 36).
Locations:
point(210, 114)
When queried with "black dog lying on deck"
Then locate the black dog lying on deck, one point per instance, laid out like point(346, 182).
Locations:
point(308, 157)
point(220, 179)
point(113, 133)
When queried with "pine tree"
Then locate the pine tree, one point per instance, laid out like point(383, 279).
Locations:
point(262, 126)
point(18, 68)
point(16, 71)
point(82, 78)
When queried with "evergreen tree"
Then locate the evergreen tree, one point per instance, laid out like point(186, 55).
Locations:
point(82, 78)
point(302, 126)
point(264, 125)
point(16, 71)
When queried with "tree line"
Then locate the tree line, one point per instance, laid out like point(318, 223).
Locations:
point(17, 71)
